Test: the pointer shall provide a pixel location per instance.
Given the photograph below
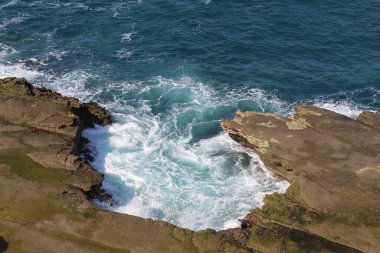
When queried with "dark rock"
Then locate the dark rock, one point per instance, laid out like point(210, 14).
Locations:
point(3, 244)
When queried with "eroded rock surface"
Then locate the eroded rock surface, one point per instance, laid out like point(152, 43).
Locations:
point(333, 165)
point(49, 126)
point(47, 182)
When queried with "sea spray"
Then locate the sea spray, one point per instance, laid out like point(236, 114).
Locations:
point(206, 185)
point(169, 72)
point(164, 158)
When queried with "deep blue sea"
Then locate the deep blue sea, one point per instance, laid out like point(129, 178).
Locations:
point(169, 71)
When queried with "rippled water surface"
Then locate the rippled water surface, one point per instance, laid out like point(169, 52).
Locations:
point(169, 71)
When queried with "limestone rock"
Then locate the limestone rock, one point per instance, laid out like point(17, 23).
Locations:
point(46, 182)
point(51, 126)
point(333, 164)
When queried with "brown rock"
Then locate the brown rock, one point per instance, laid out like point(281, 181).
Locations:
point(333, 163)
point(38, 111)
point(45, 185)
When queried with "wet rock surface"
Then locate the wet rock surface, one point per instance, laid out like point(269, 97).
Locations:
point(333, 165)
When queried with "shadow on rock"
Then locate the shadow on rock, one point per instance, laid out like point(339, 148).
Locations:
point(117, 193)
point(3, 244)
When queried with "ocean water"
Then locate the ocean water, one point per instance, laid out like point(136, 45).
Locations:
point(169, 71)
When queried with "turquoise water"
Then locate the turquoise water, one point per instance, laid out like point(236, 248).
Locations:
point(170, 70)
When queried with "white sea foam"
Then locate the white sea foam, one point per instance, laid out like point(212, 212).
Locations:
point(98, 9)
point(208, 185)
point(117, 7)
point(124, 53)
point(6, 50)
point(57, 54)
point(70, 83)
point(10, 3)
point(15, 20)
point(231, 224)
point(19, 70)
point(161, 158)
point(342, 107)
point(81, 6)
point(206, 1)
point(72, 5)
point(16, 69)
point(126, 36)
point(154, 167)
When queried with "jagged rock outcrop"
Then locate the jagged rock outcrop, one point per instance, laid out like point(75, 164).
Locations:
point(39, 109)
point(46, 182)
point(44, 109)
point(333, 165)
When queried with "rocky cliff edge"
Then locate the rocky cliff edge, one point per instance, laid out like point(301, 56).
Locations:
point(333, 164)
point(47, 184)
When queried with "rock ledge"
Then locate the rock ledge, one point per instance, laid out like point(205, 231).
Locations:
point(39, 109)
point(46, 182)
point(333, 165)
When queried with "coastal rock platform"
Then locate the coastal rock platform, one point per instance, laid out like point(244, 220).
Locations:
point(333, 164)
point(47, 184)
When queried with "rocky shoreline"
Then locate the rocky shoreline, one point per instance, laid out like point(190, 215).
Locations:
point(47, 183)
point(332, 162)
point(39, 108)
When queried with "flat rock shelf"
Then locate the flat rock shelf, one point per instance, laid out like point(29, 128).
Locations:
point(333, 164)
